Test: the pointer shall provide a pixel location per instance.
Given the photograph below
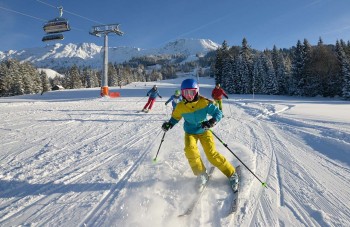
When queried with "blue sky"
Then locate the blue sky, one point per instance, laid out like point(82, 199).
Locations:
point(152, 23)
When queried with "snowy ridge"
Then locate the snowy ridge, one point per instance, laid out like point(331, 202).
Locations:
point(89, 54)
point(188, 46)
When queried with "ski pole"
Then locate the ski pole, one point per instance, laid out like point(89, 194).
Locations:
point(155, 158)
point(140, 100)
point(262, 183)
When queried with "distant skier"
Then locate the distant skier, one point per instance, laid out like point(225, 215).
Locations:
point(194, 109)
point(153, 93)
point(217, 94)
point(174, 99)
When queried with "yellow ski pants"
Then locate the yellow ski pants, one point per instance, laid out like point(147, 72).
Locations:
point(218, 103)
point(214, 157)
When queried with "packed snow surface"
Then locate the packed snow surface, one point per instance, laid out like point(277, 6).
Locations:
point(72, 158)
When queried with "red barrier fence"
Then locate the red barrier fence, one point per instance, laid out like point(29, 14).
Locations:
point(114, 94)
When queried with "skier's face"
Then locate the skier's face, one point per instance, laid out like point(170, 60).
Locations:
point(189, 94)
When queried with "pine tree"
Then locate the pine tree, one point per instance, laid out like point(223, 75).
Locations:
point(345, 70)
point(90, 77)
point(236, 77)
point(226, 71)
point(309, 81)
point(16, 86)
point(279, 65)
point(5, 79)
point(271, 84)
point(245, 69)
point(45, 82)
point(275, 57)
point(259, 74)
point(324, 72)
point(94, 79)
point(282, 74)
point(231, 86)
point(120, 74)
point(298, 66)
point(346, 86)
point(112, 76)
point(75, 79)
point(35, 76)
point(219, 62)
point(156, 76)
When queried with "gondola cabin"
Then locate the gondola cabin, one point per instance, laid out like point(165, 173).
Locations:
point(56, 25)
point(53, 37)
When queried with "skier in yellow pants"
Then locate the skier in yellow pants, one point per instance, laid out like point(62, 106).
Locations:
point(194, 109)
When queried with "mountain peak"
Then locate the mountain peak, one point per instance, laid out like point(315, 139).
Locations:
point(190, 46)
point(90, 54)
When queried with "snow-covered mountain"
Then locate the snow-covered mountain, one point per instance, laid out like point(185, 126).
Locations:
point(89, 54)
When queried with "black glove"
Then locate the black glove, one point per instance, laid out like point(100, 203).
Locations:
point(208, 124)
point(226, 96)
point(166, 126)
point(147, 95)
point(160, 96)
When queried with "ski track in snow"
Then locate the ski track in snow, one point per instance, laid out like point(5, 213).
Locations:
point(88, 162)
point(295, 175)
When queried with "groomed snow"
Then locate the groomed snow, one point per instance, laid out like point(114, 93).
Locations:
point(71, 158)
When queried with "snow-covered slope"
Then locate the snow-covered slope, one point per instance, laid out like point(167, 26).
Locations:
point(70, 158)
point(50, 73)
point(89, 54)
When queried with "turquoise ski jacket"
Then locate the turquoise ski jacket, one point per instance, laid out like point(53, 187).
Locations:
point(194, 113)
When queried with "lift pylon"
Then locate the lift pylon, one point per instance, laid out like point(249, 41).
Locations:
point(104, 30)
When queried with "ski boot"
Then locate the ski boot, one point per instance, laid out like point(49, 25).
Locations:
point(234, 181)
point(202, 180)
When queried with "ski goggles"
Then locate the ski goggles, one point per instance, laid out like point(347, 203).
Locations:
point(189, 94)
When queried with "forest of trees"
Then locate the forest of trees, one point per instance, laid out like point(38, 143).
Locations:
point(22, 78)
point(303, 70)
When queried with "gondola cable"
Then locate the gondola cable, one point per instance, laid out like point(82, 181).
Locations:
point(75, 14)
point(24, 14)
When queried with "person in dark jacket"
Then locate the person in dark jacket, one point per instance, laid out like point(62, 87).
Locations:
point(153, 94)
point(217, 94)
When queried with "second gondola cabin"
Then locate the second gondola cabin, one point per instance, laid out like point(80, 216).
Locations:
point(52, 37)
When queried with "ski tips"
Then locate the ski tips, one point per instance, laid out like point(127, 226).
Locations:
point(264, 184)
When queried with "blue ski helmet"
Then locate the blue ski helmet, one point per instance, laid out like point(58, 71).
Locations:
point(190, 90)
point(189, 84)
